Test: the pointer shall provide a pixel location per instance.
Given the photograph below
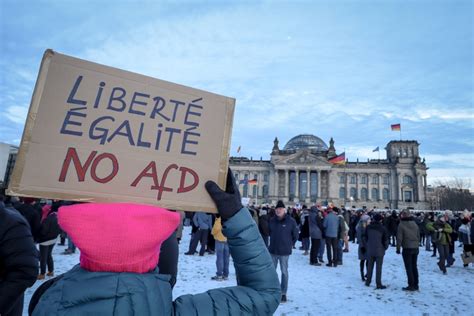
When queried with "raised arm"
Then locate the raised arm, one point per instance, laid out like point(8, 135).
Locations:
point(258, 289)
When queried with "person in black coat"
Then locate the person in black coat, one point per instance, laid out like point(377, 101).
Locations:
point(31, 214)
point(392, 225)
point(47, 237)
point(263, 226)
point(376, 240)
point(18, 261)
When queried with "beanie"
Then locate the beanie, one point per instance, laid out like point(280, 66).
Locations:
point(118, 237)
point(280, 204)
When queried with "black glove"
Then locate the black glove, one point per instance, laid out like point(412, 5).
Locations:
point(229, 202)
point(398, 251)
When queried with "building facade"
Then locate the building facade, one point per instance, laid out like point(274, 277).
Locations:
point(8, 155)
point(301, 173)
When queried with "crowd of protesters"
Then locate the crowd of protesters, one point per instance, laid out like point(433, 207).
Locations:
point(325, 233)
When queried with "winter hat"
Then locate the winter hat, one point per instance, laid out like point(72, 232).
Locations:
point(377, 217)
point(118, 237)
point(365, 218)
point(280, 204)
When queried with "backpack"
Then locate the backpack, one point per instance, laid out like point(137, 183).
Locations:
point(50, 228)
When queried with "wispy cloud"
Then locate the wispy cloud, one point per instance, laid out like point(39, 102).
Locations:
point(16, 114)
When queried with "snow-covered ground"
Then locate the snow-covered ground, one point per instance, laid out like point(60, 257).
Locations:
point(333, 291)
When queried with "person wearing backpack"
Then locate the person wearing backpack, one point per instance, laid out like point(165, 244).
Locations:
point(48, 234)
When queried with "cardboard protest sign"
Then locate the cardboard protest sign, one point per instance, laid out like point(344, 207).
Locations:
point(96, 133)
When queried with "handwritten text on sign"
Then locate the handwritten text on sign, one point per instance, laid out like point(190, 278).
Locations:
point(105, 129)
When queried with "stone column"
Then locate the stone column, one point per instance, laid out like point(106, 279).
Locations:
point(378, 186)
point(297, 184)
point(424, 188)
point(287, 187)
point(357, 197)
point(319, 184)
point(368, 187)
point(258, 185)
point(399, 188)
point(346, 187)
point(308, 184)
point(328, 187)
point(276, 188)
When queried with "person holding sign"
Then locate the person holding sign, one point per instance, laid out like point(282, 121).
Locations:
point(109, 282)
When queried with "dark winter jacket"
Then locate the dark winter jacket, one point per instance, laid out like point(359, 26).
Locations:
point(472, 232)
point(32, 216)
point(80, 292)
point(408, 234)
point(18, 259)
point(316, 227)
point(283, 234)
point(376, 240)
point(392, 223)
point(331, 225)
point(305, 224)
point(263, 225)
point(49, 228)
point(361, 231)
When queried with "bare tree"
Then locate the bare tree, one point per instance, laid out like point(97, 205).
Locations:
point(452, 194)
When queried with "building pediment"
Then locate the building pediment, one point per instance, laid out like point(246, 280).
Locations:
point(303, 158)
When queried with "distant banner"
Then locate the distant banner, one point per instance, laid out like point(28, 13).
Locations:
point(396, 127)
point(96, 133)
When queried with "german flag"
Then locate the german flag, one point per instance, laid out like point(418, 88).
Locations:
point(253, 181)
point(396, 127)
point(339, 159)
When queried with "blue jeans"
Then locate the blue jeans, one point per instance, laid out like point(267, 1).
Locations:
point(284, 271)
point(321, 249)
point(340, 244)
point(70, 244)
point(222, 258)
point(428, 242)
point(305, 243)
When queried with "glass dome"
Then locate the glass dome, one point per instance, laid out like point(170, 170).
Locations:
point(306, 141)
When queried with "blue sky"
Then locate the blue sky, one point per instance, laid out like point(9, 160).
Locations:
point(341, 69)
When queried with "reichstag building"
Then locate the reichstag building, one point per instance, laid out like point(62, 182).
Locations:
point(301, 173)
